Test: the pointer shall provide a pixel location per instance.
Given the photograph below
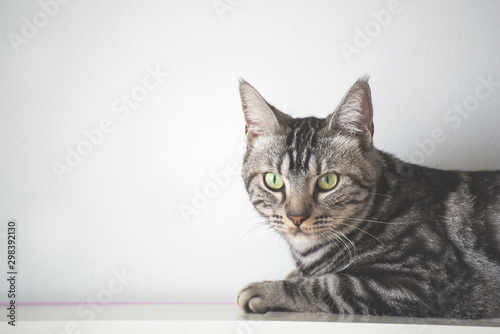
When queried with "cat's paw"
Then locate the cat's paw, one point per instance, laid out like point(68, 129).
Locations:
point(260, 297)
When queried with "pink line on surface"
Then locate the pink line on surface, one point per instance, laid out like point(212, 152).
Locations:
point(114, 303)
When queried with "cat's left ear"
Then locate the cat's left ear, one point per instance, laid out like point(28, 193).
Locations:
point(354, 115)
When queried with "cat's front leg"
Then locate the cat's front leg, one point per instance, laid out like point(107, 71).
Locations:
point(294, 273)
point(333, 293)
point(261, 297)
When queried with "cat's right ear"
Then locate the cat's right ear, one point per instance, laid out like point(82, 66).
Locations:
point(261, 118)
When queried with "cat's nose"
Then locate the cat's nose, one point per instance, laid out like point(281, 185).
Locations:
point(298, 220)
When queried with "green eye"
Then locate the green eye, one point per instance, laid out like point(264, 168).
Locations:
point(274, 181)
point(327, 181)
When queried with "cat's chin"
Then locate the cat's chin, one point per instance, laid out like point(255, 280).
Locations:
point(302, 241)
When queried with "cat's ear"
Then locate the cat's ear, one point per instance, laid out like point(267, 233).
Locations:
point(261, 118)
point(354, 115)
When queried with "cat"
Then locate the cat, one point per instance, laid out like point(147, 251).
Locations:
point(369, 233)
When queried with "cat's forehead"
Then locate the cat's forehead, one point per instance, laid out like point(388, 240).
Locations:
point(305, 149)
point(301, 142)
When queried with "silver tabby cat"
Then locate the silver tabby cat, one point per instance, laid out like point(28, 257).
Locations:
point(369, 233)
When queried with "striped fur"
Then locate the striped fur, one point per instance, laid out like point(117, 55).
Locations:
point(391, 238)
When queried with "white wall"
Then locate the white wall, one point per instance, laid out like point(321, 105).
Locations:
point(119, 209)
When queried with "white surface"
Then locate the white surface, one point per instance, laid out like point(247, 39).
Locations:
point(223, 319)
point(217, 327)
point(119, 211)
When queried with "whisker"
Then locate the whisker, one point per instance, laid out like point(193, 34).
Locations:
point(384, 195)
point(379, 222)
point(343, 241)
point(360, 229)
point(354, 251)
point(249, 218)
point(255, 227)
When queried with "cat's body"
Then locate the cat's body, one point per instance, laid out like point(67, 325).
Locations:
point(369, 233)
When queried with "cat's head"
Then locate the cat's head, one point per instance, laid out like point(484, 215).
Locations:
point(310, 176)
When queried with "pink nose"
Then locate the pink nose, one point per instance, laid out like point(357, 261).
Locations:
point(298, 220)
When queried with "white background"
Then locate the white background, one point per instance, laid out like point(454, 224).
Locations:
point(119, 210)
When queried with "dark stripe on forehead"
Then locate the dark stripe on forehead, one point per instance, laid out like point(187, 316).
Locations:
point(301, 140)
point(291, 160)
point(289, 138)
